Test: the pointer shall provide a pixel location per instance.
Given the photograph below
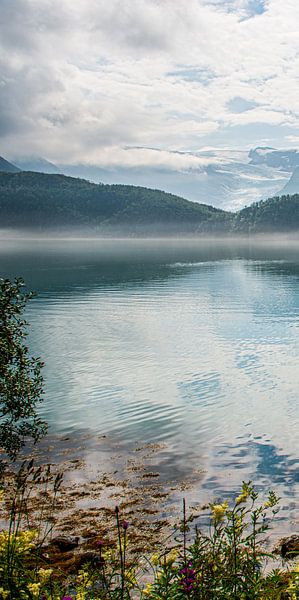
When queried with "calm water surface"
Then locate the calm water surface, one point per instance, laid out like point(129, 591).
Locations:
point(189, 344)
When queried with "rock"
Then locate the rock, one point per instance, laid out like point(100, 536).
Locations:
point(289, 547)
point(65, 543)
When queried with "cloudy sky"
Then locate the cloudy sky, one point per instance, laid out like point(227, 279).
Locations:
point(110, 82)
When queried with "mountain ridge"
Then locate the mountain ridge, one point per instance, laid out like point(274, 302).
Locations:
point(7, 167)
point(292, 187)
point(227, 178)
point(30, 200)
point(36, 164)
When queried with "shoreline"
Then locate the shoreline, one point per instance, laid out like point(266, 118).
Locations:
point(85, 514)
point(90, 492)
point(99, 474)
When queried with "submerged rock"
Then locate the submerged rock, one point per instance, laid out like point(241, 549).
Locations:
point(289, 547)
point(65, 543)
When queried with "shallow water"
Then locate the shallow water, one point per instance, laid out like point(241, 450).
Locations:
point(194, 345)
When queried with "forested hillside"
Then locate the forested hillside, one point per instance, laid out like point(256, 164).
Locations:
point(39, 200)
point(275, 214)
point(42, 201)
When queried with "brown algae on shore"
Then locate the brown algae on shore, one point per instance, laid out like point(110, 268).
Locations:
point(93, 484)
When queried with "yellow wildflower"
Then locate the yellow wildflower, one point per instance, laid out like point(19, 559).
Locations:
point(25, 539)
point(241, 498)
point(155, 559)
point(272, 501)
point(4, 593)
point(21, 541)
point(130, 578)
point(3, 540)
point(45, 574)
point(219, 510)
point(27, 535)
point(171, 557)
point(34, 588)
point(83, 577)
point(147, 590)
point(291, 587)
point(108, 555)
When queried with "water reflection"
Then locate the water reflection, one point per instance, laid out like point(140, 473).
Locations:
point(189, 344)
point(84, 264)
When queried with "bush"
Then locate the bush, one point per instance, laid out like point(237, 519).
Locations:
point(21, 382)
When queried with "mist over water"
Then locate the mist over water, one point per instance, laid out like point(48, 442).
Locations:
point(190, 343)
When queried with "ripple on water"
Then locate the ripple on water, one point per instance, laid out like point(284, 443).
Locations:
point(200, 353)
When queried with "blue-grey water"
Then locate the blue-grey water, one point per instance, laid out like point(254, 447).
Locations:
point(193, 345)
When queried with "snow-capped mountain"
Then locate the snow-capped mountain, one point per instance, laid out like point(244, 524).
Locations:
point(292, 187)
point(279, 159)
point(224, 178)
point(39, 165)
point(7, 167)
point(228, 179)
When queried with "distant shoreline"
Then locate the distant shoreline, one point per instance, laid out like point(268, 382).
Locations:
point(261, 239)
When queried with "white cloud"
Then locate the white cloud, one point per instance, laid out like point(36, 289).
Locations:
point(81, 81)
point(293, 139)
point(143, 157)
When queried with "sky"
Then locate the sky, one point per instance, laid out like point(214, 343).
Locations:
point(147, 82)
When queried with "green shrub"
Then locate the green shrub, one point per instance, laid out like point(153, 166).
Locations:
point(21, 382)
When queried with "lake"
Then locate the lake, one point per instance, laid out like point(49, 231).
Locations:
point(193, 345)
